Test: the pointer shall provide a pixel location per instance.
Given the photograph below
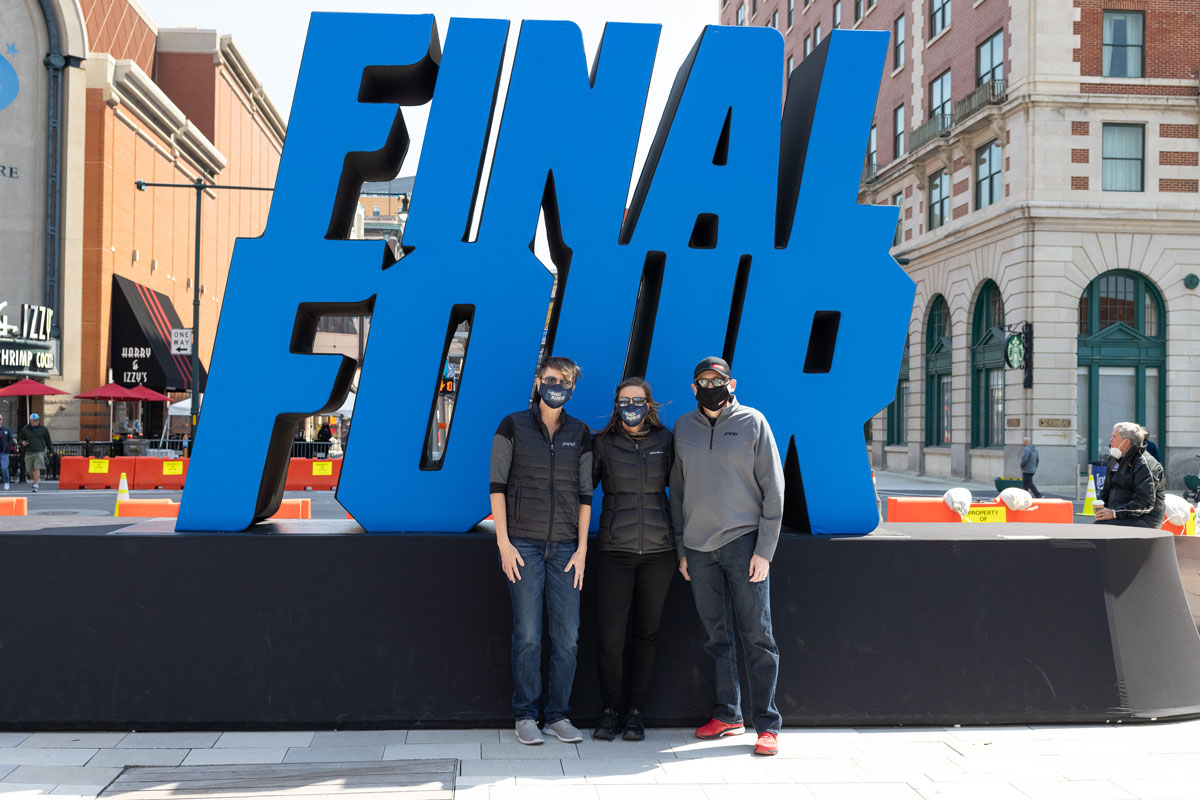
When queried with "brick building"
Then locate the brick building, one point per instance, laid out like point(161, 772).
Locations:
point(1046, 160)
point(134, 102)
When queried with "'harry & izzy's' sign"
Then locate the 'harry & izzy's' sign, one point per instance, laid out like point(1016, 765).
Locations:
point(26, 348)
point(743, 237)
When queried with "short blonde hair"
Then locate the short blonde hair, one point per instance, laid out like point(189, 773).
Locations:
point(570, 370)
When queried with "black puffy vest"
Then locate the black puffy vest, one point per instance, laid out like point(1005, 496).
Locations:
point(542, 496)
point(635, 516)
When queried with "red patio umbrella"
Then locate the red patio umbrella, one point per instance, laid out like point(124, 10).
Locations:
point(29, 388)
point(143, 392)
point(110, 392)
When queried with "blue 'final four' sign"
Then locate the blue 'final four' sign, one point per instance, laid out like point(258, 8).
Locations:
point(746, 202)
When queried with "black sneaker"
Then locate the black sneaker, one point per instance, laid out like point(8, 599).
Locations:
point(610, 726)
point(635, 731)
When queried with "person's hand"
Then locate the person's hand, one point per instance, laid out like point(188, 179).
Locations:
point(683, 569)
point(509, 559)
point(578, 562)
point(759, 567)
point(1105, 513)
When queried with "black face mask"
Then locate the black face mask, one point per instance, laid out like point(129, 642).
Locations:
point(714, 397)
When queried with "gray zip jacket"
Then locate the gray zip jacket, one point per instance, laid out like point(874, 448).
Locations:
point(727, 480)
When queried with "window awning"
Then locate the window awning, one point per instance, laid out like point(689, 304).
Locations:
point(140, 349)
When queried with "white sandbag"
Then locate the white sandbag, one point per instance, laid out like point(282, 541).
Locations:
point(1016, 499)
point(1178, 510)
point(959, 500)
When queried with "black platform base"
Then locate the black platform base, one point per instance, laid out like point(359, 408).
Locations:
point(915, 624)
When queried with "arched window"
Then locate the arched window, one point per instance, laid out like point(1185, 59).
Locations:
point(938, 379)
point(1122, 358)
point(897, 416)
point(987, 368)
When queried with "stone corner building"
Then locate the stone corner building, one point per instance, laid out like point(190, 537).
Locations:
point(1045, 156)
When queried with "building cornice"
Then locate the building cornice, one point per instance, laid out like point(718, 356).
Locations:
point(125, 84)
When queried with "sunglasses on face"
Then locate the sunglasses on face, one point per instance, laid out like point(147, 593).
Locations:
point(550, 380)
point(625, 402)
point(712, 383)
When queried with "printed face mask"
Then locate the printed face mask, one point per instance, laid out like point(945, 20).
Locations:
point(713, 397)
point(633, 415)
point(554, 395)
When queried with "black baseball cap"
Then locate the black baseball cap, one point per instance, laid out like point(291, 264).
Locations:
point(717, 365)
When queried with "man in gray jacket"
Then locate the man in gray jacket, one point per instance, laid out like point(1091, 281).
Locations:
point(727, 499)
point(1029, 465)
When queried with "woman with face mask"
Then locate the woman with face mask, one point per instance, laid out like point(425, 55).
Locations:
point(636, 561)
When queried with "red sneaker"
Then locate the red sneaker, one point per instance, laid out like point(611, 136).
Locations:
point(715, 729)
point(767, 745)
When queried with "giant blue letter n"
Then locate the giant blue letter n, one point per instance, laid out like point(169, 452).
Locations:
point(743, 238)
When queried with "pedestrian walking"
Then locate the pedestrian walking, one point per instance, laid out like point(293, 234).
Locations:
point(35, 438)
point(635, 562)
point(541, 495)
point(1029, 465)
point(727, 499)
point(6, 446)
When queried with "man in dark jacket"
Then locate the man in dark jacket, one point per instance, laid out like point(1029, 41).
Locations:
point(36, 441)
point(727, 500)
point(6, 445)
point(1029, 465)
point(1135, 487)
point(541, 492)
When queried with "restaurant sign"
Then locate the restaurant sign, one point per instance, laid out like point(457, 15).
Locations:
point(26, 348)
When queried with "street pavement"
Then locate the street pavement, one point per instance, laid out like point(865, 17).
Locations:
point(1089, 762)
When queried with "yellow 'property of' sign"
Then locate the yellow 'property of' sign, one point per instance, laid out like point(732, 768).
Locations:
point(98, 465)
point(322, 468)
point(172, 468)
point(987, 514)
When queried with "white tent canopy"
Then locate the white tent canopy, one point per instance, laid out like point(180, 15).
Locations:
point(184, 407)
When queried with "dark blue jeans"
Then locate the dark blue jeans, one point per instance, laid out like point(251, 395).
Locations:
point(544, 584)
point(726, 600)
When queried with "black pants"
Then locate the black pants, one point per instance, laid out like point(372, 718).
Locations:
point(630, 581)
point(1132, 522)
point(1027, 483)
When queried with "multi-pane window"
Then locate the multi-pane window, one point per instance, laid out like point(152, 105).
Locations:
point(897, 416)
point(753, 8)
point(987, 368)
point(898, 42)
point(791, 67)
point(1124, 157)
point(741, 14)
point(939, 199)
point(938, 380)
point(791, 12)
point(939, 96)
point(872, 147)
point(939, 16)
point(898, 202)
point(1124, 44)
point(807, 45)
point(858, 9)
point(987, 174)
point(898, 132)
point(837, 13)
point(775, 20)
point(817, 35)
point(989, 59)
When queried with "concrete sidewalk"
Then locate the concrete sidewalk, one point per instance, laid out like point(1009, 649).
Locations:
point(1092, 761)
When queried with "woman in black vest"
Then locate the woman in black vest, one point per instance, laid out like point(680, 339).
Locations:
point(636, 561)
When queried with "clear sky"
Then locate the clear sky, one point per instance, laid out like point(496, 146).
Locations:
point(270, 34)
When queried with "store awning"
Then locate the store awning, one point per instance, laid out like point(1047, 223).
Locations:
point(140, 349)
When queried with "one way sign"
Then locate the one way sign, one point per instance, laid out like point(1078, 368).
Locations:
point(181, 341)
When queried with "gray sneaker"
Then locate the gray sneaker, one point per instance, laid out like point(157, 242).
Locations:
point(564, 731)
point(527, 732)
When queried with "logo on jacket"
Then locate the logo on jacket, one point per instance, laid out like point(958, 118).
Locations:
point(719, 194)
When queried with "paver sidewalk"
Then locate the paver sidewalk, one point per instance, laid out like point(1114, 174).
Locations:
point(1094, 762)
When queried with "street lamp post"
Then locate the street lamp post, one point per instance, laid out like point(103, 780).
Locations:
point(199, 185)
